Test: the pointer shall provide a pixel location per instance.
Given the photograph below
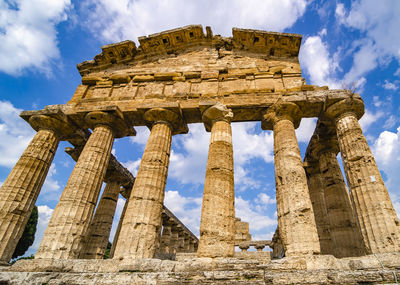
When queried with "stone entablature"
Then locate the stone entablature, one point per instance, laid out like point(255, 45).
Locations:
point(181, 77)
point(266, 44)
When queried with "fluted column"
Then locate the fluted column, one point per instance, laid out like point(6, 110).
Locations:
point(377, 218)
point(100, 227)
point(116, 236)
point(68, 226)
point(217, 227)
point(317, 196)
point(142, 223)
point(173, 247)
point(345, 231)
point(21, 188)
point(297, 227)
point(165, 238)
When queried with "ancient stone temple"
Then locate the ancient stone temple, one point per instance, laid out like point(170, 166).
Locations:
point(328, 232)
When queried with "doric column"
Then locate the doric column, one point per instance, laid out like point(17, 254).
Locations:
point(191, 245)
point(100, 227)
point(217, 227)
point(296, 221)
point(181, 242)
point(344, 229)
point(68, 226)
point(21, 188)
point(377, 218)
point(317, 196)
point(116, 236)
point(142, 222)
point(165, 238)
point(187, 243)
point(173, 248)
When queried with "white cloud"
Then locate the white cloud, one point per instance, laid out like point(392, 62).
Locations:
point(390, 122)
point(318, 63)
point(379, 23)
point(386, 150)
point(15, 134)
point(306, 129)
point(187, 209)
point(28, 33)
point(126, 19)
point(369, 118)
point(132, 166)
point(44, 217)
point(51, 188)
point(256, 216)
point(142, 135)
point(390, 85)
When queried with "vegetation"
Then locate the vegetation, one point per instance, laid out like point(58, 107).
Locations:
point(28, 235)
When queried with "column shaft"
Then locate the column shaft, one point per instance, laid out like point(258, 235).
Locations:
point(377, 217)
point(173, 248)
point(217, 228)
point(100, 227)
point(70, 221)
point(165, 239)
point(140, 227)
point(345, 231)
point(117, 232)
point(317, 196)
point(296, 221)
point(21, 188)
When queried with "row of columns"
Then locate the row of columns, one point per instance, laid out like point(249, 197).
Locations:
point(70, 234)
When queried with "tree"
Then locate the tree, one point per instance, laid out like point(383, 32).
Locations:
point(28, 235)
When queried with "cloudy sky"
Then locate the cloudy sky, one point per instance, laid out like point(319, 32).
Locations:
point(354, 44)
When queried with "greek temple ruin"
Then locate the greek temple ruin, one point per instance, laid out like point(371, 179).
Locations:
point(186, 76)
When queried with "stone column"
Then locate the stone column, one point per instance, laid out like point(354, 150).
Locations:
point(165, 238)
point(186, 243)
point(181, 242)
point(100, 227)
point(345, 231)
point(191, 245)
point(21, 188)
point(297, 228)
point(317, 196)
point(217, 227)
point(377, 218)
point(142, 223)
point(116, 236)
point(68, 226)
point(173, 248)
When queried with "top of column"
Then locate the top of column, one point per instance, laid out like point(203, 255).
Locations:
point(343, 107)
point(173, 118)
point(215, 112)
point(281, 111)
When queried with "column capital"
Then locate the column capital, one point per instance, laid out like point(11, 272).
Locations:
point(61, 128)
point(113, 120)
point(164, 116)
point(281, 111)
point(214, 113)
point(345, 107)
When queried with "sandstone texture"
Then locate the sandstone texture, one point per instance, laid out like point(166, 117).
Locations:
point(328, 233)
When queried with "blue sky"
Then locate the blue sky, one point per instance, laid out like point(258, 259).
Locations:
point(354, 44)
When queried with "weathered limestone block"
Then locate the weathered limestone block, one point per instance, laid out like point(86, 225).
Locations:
point(217, 228)
point(344, 229)
point(142, 223)
point(296, 221)
point(241, 231)
point(377, 218)
point(317, 196)
point(205, 88)
point(150, 90)
point(21, 188)
point(177, 89)
point(100, 227)
point(71, 218)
